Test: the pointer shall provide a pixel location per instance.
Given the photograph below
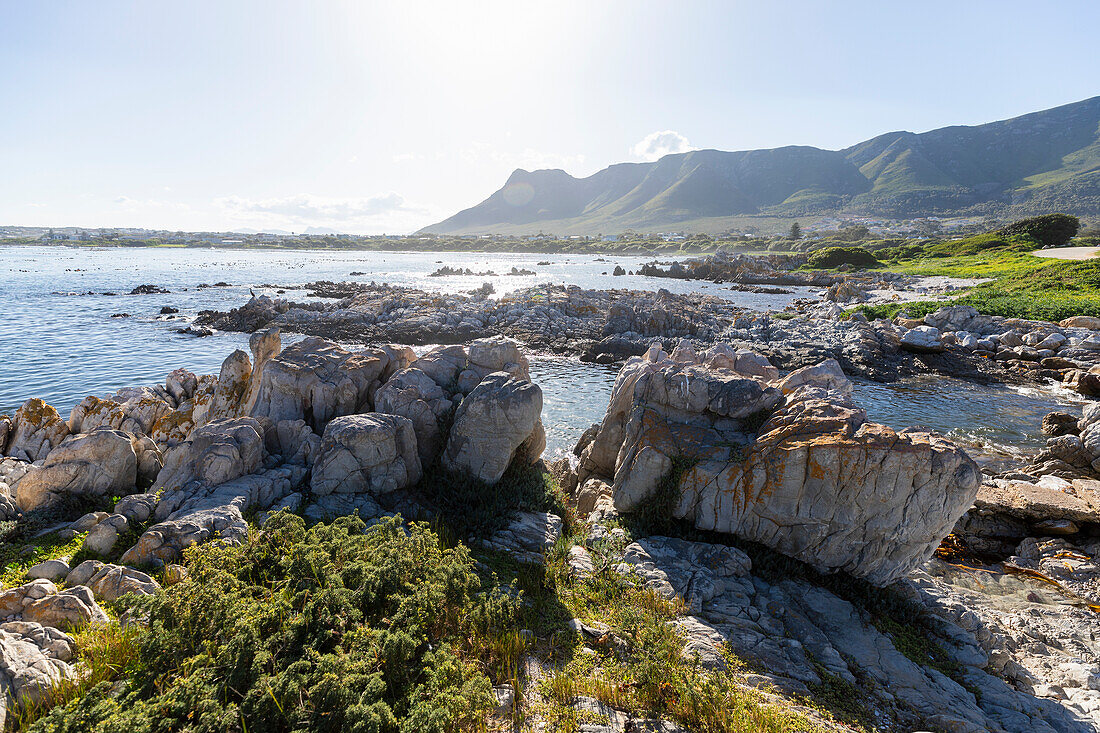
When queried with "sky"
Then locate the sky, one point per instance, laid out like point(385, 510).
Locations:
point(370, 117)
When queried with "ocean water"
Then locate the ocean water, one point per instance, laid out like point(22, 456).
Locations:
point(60, 343)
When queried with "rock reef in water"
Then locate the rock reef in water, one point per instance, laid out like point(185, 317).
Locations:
point(567, 320)
point(792, 463)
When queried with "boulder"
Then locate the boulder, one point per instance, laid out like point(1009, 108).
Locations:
point(413, 394)
point(824, 375)
point(51, 570)
point(527, 536)
point(234, 381)
point(1089, 322)
point(372, 453)
point(82, 573)
point(491, 423)
point(958, 318)
point(497, 354)
point(71, 609)
point(295, 442)
point(742, 361)
point(315, 380)
point(397, 358)
point(33, 660)
point(102, 537)
point(36, 430)
point(815, 481)
point(1041, 501)
point(133, 410)
point(1059, 423)
point(443, 365)
point(111, 582)
point(215, 453)
point(264, 345)
point(94, 463)
point(93, 412)
point(149, 459)
point(136, 508)
point(644, 427)
point(40, 602)
point(181, 385)
point(922, 340)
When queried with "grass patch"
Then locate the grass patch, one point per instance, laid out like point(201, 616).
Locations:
point(639, 667)
point(105, 654)
point(916, 309)
point(49, 547)
point(1023, 286)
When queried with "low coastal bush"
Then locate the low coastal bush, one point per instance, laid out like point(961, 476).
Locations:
point(1050, 230)
point(320, 629)
point(830, 257)
point(915, 309)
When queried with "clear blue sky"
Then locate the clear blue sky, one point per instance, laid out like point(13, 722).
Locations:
point(371, 117)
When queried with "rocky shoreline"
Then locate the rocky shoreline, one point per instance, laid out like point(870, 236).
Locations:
point(796, 515)
point(609, 326)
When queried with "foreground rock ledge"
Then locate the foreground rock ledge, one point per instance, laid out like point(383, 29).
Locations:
point(791, 463)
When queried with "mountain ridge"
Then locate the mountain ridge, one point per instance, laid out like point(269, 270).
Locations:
point(1033, 163)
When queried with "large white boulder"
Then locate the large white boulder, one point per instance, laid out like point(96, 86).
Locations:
point(94, 463)
point(814, 480)
point(372, 453)
point(499, 416)
point(217, 452)
point(411, 393)
point(33, 659)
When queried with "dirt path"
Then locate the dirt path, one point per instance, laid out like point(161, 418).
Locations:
point(1068, 253)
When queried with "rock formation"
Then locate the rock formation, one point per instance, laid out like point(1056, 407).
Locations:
point(795, 466)
point(94, 463)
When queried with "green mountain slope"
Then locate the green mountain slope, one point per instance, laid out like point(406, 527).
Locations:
point(1039, 161)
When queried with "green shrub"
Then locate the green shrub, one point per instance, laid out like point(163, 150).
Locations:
point(830, 257)
point(1050, 230)
point(320, 629)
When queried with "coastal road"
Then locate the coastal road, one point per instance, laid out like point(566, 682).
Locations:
point(1068, 253)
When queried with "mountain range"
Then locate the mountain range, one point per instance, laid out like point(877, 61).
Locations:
point(1036, 163)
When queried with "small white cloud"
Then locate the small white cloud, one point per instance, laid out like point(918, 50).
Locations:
point(659, 144)
point(131, 204)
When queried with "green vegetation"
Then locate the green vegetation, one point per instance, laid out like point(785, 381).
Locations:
point(916, 309)
point(831, 257)
point(1051, 230)
point(19, 558)
point(399, 628)
point(29, 541)
point(328, 628)
point(1023, 285)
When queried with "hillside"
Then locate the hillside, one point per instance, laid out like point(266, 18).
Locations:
point(1038, 162)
